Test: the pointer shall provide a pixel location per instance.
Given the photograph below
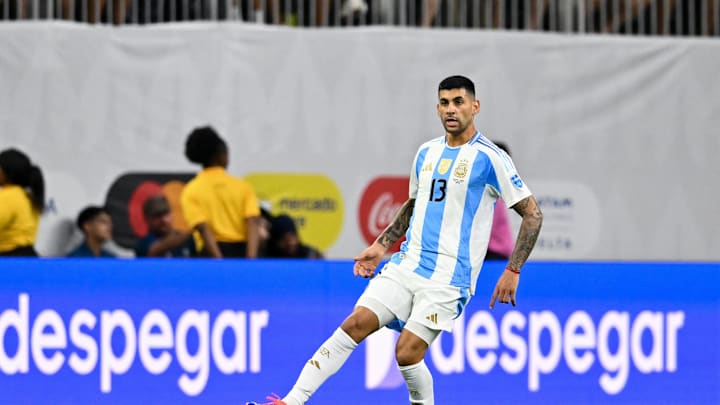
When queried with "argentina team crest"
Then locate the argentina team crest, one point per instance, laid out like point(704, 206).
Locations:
point(461, 170)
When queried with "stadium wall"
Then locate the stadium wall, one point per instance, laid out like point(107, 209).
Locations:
point(616, 136)
point(217, 332)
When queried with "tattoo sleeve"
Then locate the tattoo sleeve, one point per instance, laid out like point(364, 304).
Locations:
point(398, 226)
point(529, 230)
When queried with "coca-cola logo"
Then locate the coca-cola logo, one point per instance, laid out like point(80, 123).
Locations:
point(379, 203)
point(382, 212)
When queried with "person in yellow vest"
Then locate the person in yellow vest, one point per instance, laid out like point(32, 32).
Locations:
point(221, 209)
point(22, 198)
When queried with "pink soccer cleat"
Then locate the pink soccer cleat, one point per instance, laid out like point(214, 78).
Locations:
point(274, 400)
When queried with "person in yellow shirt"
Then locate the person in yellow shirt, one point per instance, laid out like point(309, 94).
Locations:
point(22, 198)
point(222, 210)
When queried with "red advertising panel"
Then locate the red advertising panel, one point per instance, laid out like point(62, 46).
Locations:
point(380, 201)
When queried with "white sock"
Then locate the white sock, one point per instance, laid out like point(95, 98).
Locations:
point(325, 362)
point(419, 383)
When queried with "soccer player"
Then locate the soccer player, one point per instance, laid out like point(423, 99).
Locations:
point(454, 182)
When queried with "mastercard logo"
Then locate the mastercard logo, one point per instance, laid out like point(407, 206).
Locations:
point(128, 193)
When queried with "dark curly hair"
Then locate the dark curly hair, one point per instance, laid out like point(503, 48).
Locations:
point(18, 169)
point(203, 145)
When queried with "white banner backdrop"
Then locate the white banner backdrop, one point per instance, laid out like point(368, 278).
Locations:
point(616, 136)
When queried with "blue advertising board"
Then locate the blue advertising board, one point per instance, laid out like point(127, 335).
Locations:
point(200, 331)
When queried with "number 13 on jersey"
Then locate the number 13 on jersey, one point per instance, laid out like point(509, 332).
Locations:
point(438, 190)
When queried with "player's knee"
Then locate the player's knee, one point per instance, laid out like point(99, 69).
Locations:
point(407, 355)
point(360, 324)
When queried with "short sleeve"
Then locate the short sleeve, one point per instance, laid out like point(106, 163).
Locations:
point(512, 187)
point(414, 172)
point(252, 206)
point(6, 215)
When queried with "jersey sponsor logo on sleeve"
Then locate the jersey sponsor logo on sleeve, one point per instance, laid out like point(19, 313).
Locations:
point(516, 181)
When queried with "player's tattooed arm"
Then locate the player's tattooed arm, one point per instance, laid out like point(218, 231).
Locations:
point(529, 230)
point(398, 226)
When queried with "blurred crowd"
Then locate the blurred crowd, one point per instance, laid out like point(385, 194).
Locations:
point(224, 217)
point(652, 17)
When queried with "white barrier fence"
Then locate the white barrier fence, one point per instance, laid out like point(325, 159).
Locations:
point(643, 17)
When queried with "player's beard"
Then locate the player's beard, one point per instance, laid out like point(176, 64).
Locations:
point(459, 129)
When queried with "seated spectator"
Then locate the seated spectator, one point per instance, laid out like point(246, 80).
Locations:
point(285, 242)
point(162, 240)
point(96, 224)
point(264, 229)
point(22, 195)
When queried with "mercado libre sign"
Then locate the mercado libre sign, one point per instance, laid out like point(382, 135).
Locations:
point(312, 200)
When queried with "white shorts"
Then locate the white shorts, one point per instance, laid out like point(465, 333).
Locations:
point(413, 299)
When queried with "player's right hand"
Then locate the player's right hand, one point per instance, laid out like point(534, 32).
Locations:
point(367, 261)
point(505, 289)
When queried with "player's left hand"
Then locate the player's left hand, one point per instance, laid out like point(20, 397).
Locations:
point(505, 288)
point(367, 261)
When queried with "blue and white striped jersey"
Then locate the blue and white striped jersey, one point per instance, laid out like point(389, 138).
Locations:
point(455, 189)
